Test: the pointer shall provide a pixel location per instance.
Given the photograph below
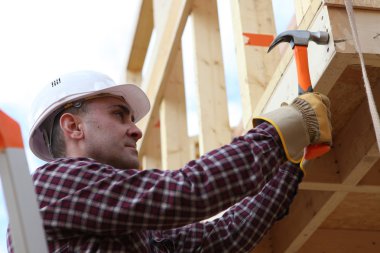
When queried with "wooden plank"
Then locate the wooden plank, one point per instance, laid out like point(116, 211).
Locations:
point(359, 4)
point(160, 10)
point(214, 128)
point(301, 7)
point(323, 170)
point(306, 212)
point(255, 65)
point(265, 246)
point(360, 148)
point(312, 186)
point(141, 37)
point(151, 156)
point(194, 147)
point(163, 54)
point(367, 25)
point(343, 48)
point(173, 123)
point(373, 177)
point(342, 241)
point(358, 211)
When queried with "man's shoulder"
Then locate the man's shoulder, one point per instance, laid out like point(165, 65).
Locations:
point(73, 173)
point(72, 166)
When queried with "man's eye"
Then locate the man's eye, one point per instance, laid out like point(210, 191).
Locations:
point(119, 114)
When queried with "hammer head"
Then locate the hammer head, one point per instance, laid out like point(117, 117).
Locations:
point(300, 38)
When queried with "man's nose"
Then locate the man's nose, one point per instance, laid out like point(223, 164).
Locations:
point(134, 132)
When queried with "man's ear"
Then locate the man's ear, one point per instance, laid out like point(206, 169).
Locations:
point(71, 126)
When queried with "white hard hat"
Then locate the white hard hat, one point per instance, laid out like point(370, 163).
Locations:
point(72, 87)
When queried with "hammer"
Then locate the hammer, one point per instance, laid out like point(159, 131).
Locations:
point(299, 40)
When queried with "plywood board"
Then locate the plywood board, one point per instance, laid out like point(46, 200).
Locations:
point(358, 4)
point(358, 211)
point(342, 241)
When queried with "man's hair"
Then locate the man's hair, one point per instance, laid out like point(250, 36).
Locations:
point(58, 145)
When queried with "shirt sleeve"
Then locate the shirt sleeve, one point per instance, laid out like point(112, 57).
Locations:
point(85, 196)
point(242, 226)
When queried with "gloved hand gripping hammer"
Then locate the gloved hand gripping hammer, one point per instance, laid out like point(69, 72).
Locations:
point(299, 40)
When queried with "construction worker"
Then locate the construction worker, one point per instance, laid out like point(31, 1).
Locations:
point(93, 198)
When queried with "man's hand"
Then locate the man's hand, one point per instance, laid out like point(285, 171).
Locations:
point(307, 120)
point(315, 110)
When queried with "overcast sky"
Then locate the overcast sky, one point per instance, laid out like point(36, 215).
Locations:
point(42, 39)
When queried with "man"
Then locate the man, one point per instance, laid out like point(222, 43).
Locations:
point(93, 198)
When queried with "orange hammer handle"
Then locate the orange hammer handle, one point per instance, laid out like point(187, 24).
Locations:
point(303, 73)
point(304, 85)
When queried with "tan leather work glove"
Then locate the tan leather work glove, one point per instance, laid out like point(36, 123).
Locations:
point(307, 120)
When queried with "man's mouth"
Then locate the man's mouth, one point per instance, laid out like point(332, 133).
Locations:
point(130, 146)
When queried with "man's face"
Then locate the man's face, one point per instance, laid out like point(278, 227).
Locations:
point(110, 135)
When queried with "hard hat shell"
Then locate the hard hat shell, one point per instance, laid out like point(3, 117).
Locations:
point(75, 86)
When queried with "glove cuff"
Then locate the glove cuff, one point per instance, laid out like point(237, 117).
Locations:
point(291, 128)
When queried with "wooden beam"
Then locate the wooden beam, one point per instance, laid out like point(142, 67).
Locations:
point(212, 107)
point(194, 147)
point(141, 40)
point(160, 10)
point(360, 148)
point(301, 7)
point(163, 53)
point(372, 177)
point(265, 246)
point(360, 211)
point(173, 123)
point(312, 186)
point(150, 157)
point(323, 170)
point(367, 27)
point(342, 241)
point(255, 65)
point(306, 212)
point(359, 4)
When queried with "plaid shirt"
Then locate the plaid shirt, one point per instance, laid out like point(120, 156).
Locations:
point(92, 207)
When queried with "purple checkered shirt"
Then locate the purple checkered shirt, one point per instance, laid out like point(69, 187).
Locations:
point(91, 207)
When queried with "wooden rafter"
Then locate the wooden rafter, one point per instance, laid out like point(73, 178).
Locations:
point(173, 124)
point(140, 44)
point(209, 77)
point(168, 39)
point(255, 65)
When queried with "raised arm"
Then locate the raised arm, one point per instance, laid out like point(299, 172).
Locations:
point(242, 226)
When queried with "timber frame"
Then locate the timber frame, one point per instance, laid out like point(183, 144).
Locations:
point(337, 208)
